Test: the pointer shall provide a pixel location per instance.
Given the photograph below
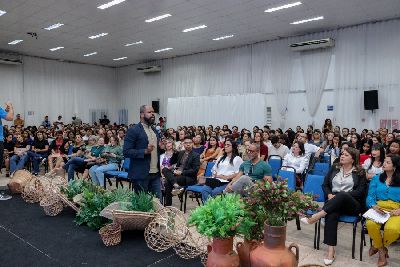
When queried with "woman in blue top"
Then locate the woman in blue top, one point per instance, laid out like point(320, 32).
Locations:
point(384, 196)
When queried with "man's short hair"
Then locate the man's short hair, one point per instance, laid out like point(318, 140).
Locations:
point(188, 137)
point(142, 108)
point(256, 145)
point(274, 139)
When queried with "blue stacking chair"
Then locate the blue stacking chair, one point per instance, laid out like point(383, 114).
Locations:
point(289, 173)
point(320, 168)
point(313, 185)
point(354, 221)
point(327, 159)
point(121, 175)
point(275, 162)
point(196, 189)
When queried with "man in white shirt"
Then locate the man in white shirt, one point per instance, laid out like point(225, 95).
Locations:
point(276, 148)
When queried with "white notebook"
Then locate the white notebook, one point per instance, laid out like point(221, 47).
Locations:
point(375, 216)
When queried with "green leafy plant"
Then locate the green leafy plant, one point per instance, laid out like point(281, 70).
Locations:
point(121, 195)
point(94, 201)
point(141, 202)
point(274, 204)
point(76, 187)
point(219, 216)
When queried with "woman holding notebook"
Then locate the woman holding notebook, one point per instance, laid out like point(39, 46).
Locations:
point(384, 196)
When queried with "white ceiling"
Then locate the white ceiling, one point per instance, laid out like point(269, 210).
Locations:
point(125, 23)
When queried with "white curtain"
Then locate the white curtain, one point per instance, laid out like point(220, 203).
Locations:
point(315, 66)
point(11, 87)
point(244, 111)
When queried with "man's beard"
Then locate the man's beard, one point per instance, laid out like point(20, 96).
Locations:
point(149, 121)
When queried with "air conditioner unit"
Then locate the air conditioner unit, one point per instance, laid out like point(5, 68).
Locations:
point(147, 69)
point(10, 59)
point(313, 44)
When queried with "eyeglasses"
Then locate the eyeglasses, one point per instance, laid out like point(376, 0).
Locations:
point(251, 151)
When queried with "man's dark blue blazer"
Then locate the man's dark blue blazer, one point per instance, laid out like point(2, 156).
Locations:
point(135, 143)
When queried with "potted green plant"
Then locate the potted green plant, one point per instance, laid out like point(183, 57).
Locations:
point(219, 219)
point(270, 205)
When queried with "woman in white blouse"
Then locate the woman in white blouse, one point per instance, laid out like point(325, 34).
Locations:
point(296, 159)
point(226, 167)
point(373, 165)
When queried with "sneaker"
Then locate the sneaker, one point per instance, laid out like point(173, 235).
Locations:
point(4, 196)
point(177, 191)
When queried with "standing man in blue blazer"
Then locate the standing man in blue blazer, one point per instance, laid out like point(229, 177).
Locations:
point(141, 146)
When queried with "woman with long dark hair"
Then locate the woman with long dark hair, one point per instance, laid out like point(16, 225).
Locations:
point(384, 196)
point(365, 152)
point(209, 154)
point(356, 140)
point(373, 165)
point(226, 167)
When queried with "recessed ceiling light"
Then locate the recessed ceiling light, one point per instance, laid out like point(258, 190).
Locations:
point(110, 4)
point(223, 37)
point(135, 43)
point(307, 20)
point(98, 35)
point(91, 54)
point(164, 49)
point(282, 7)
point(195, 28)
point(56, 48)
point(158, 18)
point(54, 26)
point(2, 12)
point(120, 58)
point(15, 42)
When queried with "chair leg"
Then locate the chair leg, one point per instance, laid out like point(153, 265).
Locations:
point(353, 246)
point(197, 198)
point(298, 222)
point(362, 242)
point(319, 233)
point(315, 235)
point(185, 200)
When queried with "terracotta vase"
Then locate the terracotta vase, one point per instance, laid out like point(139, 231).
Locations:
point(243, 249)
point(273, 253)
point(221, 254)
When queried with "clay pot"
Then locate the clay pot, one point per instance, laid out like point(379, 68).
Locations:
point(221, 254)
point(243, 249)
point(273, 253)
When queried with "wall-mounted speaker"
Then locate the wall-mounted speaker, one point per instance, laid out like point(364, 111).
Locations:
point(371, 100)
point(156, 106)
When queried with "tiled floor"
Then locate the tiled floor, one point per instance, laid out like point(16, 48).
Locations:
point(304, 239)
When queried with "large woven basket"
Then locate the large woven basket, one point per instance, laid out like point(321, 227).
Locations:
point(135, 220)
point(52, 205)
point(19, 181)
point(68, 203)
point(111, 234)
point(33, 191)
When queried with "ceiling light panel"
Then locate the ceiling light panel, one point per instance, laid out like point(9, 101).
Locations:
point(90, 54)
point(2, 12)
point(135, 43)
point(110, 4)
point(307, 20)
point(158, 18)
point(195, 28)
point(15, 42)
point(120, 58)
point(163, 50)
point(56, 48)
point(283, 7)
point(223, 37)
point(54, 26)
point(98, 35)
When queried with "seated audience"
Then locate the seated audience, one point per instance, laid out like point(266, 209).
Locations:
point(109, 160)
point(373, 165)
point(316, 139)
point(298, 160)
point(40, 151)
point(276, 148)
point(197, 144)
point(9, 145)
point(209, 154)
point(250, 171)
point(344, 187)
point(185, 174)
point(263, 148)
point(394, 147)
point(384, 196)
point(365, 152)
point(20, 157)
point(226, 167)
point(356, 140)
point(58, 149)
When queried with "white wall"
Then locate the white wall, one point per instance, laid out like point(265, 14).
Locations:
point(49, 87)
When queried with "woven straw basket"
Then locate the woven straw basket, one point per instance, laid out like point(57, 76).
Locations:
point(33, 191)
point(135, 220)
point(111, 234)
point(52, 205)
point(19, 181)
